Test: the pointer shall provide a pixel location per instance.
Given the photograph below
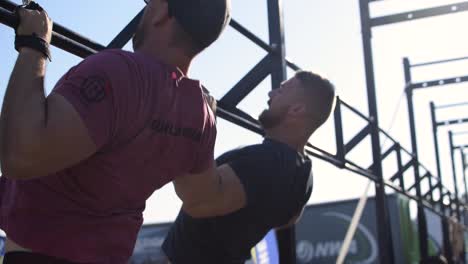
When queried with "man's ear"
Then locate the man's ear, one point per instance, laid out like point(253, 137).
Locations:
point(160, 12)
point(297, 109)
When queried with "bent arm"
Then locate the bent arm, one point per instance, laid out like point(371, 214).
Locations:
point(214, 192)
point(39, 135)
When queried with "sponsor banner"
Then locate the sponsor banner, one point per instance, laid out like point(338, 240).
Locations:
point(322, 229)
point(266, 251)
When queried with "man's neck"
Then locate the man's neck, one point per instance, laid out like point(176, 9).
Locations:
point(169, 57)
point(294, 141)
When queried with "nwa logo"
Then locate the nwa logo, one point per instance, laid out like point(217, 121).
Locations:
point(324, 247)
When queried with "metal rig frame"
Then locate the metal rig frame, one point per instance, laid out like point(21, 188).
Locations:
point(275, 64)
point(435, 125)
point(367, 24)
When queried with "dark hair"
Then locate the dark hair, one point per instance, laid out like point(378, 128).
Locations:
point(199, 22)
point(320, 96)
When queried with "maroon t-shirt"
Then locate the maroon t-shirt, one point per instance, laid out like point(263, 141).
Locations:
point(150, 125)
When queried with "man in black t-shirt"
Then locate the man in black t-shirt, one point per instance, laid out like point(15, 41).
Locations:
point(262, 186)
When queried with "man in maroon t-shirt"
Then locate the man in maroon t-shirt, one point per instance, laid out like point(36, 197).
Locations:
point(79, 164)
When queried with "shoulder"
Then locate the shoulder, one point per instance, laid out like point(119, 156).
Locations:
point(118, 62)
point(109, 55)
point(251, 152)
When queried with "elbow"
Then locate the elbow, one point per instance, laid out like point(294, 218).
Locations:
point(15, 167)
point(200, 211)
point(193, 210)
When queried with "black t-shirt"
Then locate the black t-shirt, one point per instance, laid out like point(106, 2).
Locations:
point(278, 183)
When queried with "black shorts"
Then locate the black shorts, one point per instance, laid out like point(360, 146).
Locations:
point(20, 257)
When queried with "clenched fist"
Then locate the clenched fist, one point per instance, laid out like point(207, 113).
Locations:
point(34, 22)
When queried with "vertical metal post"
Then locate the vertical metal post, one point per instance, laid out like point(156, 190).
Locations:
point(276, 31)
point(454, 173)
point(286, 237)
point(445, 228)
point(463, 160)
point(431, 194)
point(465, 214)
point(383, 222)
point(340, 151)
point(436, 141)
point(422, 223)
point(463, 211)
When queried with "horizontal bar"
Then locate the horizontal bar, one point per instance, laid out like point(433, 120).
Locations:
point(451, 105)
point(58, 40)
point(357, 139)
point(351, 166)
point(329, 159)
point(319, 150)
point(251, 80)
point(360, 167)
point(7, 18)
point(127, 33)
point(419, 14)
point(438, 62)
point(452, 122)
point(248, 34)
point(262, 44)
point(10, 6)
point(292, 65)
point(235, 118)
point(71, 46)
point(461, 147)
point(440, 82)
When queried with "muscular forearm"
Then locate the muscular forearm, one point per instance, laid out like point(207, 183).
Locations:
point(23, 113)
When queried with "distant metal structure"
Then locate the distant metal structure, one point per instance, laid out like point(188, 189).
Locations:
point(274, 64)
point(453, 205)
point(435, 125)
point(434, 182)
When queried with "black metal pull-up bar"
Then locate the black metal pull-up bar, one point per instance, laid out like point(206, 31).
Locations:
point(437, 62)
point(60, 41)
point(419, 14)
point(451, 105)
point(437, 83)
point(452, 122)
